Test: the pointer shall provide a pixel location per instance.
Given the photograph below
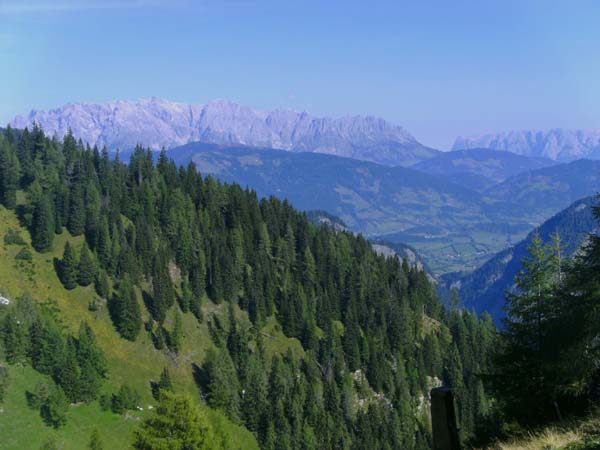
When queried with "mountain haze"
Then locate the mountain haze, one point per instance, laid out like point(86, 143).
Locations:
point(478, 168)
point(539, 194)
point(557, 144)
point(158, 123)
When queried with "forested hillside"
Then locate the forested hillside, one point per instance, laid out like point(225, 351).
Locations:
point(301, 334)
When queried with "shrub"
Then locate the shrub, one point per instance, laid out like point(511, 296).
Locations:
point(24, 255)
point(13, 237)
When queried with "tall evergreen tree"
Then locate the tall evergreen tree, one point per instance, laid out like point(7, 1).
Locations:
point(68, 268)
point(176, 425)
point(9, 174)
point(125, 310)
point(176, 335)
point(87, 271)
point(42, 227)
point(526, 379)
point(76, 213)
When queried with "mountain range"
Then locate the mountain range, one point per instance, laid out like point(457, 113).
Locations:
point(456, 208)
point(557, 144)
point(480, 168)
point(157, 123)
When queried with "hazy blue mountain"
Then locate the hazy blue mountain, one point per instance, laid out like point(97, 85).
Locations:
point(480, 168)
point(539, 194)
point(484, 288)
point(368, 197)
point(158, 123)
point(557, 144)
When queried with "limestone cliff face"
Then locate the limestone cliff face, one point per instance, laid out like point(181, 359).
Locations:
point(158, 123)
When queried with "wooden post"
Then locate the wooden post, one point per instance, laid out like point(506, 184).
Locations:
point(443, 420)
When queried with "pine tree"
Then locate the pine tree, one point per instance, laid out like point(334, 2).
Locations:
point(125, 310)
point(76, 213)
point(176, 336)
point(101, 284)
point(54, 408)
point(525, 378)
point(578, 326)
point(42, 228)
point(164, 384)
point(223, 385)
point(14, 333)
point(176, 425)
point(68, 268)
point(87, 270)
point(69, 373)
point(9, 174)
point(165, 380)
point(88, 350)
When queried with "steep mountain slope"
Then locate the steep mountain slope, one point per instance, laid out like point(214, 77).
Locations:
point(483, 289)
point(479, 168)
point(540, 193)
point(557, 144)
point(132, 363)
point(286, 334)
point(158, 123)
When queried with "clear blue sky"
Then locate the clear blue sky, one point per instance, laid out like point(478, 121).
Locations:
point(440, 69)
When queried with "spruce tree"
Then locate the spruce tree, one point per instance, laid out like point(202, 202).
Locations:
point(69, 373)
point(76, 213)
point(68, 268)
point(42, 227)
point(87, 270)
point(176, 335)
point(9, 174)
point(164, 384)
point(14, 333)
point(54, 409)
point(125, 310)
point(176, 425)
point(223, 385)
point(525, 378)
point(101, 284)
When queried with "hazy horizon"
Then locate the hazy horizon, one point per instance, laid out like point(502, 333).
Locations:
point(439, 71)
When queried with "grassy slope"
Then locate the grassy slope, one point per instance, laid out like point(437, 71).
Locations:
point(133, 363)
point(583, 435)
point(22, 427)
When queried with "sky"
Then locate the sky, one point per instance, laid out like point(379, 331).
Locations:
point(440, 69)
